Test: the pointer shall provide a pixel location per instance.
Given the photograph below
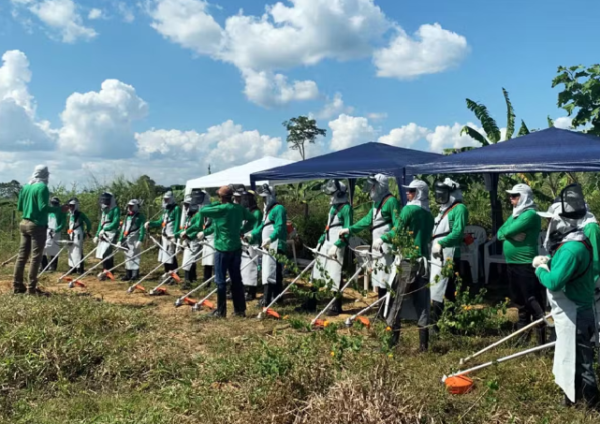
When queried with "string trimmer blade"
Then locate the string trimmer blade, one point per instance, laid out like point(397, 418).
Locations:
point(68, 279)
point(189, 301)
point(272, 313)
point(458, 385)
point(158, 292)
point(109, 275)
point(209, 304)
point(138, 287)
point(76, 283)
point(175, 277)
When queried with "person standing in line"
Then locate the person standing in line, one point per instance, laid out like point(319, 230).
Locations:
point(56, 223)
point(169, 224)
point(132, 236)
point(108, 230)
point(249, 263)
point(79, 227)
point(34, 204)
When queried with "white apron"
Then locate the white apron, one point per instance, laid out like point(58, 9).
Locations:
point(165, 255)
point(438, 290)
point(104, 248)
point(332, 268)
point(382, 267)
point(192, 254)
point(564, 313)
point(132, 235)
point(269, 264)
point(208, 259)
point(250, 272)
point(76, 236)
point(52, 247)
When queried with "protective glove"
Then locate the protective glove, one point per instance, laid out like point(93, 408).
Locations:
point(519, 237)
point(265, 244)
point(344, 232)
point(96, 240)
point(182, 235)
point(436, 249)
point(544, 266)
point(147, 225)
point(539, 261)
point(137, 245)
point(247, 238)
point(101, 235)
point(200, 236)
point(332, 252)
point(377, 244)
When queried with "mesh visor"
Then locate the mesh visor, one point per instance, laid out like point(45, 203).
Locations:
point(264, 190)
point(105, 199)
point(573, 202)
point(197, 197)
point(330, 187)
point(369, 184)
point(442, 193)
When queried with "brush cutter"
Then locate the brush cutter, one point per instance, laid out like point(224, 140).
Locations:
point(107, 273)
point(12, 258)
point(458, 383)
point(66, 244)
point(367, 256)
point(69, 279)
point(185, 299)
point(77, 281)
point(205, 302)
point(359, 315)
point(173, 274)
point(499, 342)
point(138, 286)
point(267, 309)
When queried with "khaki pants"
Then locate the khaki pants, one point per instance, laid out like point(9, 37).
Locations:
point(33, 240)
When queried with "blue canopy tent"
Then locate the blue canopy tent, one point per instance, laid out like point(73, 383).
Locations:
point(352, 163)
point(549, 150)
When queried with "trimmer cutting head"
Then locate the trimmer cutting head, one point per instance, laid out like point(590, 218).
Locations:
point(458, 385)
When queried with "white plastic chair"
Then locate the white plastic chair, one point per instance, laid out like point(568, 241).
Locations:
point(471, 253)
point(491, 259)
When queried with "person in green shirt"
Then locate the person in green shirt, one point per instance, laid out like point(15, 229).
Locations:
point(79, 227)
point(131, 238)
point(198, 228)
point(272, 231)
point(108, 230)
point(416, 220)
point(448, 236)
point(520, 236)
point(228, 219)
point(56, 223)
point(169, 224)
point(568, 274)
point(249, 264)
point(380, 220)
point(589, 225)
point(34, 204)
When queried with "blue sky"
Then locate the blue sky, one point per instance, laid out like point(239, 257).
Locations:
point(154, 76)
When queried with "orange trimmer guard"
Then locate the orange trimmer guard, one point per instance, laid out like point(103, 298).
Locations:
point(364, 321)
point(272, 313)
point(190, 301)
point(209, 304)
point(459, 385)
point(109, 275)
point(321, 323)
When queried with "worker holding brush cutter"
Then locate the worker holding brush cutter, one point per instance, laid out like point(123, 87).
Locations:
point(247, 198)
point(108, 230)
point(56, 223)
point(193, 232)
point(168, 223)
point(79, 227)
point(227, 219)
point(520, 236)
point(410, 274)
point(132, 236)
point(568, 275)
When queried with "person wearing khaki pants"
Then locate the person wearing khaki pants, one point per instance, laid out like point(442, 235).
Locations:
point(34, 204)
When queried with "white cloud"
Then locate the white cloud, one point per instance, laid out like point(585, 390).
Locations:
point(444, 137)
point(268, 89)
point(564, 122)
point(221, 146)
point(95, 14)
point(333, 107)
point(98, 124)
point(432, 50)
point(405, 136)
point(348, 131)
point(377, 116)
point(187, 23)
point(18, 128)
point(61, 17)
point(125, 12)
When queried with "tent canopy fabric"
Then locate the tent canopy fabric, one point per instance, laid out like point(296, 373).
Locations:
point(238, 174)
point(354, 162)
point(549, 150)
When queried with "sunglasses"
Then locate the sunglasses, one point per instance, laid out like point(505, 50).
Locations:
point(412, 190)
point(514, 195)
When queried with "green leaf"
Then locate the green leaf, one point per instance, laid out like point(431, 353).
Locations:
point(487, 122)
point(569, 108)
point(475, 135)
point(550, 122)
point(523, 130)
point(510, 119)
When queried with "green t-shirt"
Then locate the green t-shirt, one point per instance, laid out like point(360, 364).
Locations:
point(140, 220)
point(458, 218)
point(344, 215)
point(567, 268)
point(278, 216)
point(390, 211)
point(227, 220)
point(592, 232)
point(34, 203)
point(112, 220)
point(248, 228)
point(418, 221)
point(521, 252)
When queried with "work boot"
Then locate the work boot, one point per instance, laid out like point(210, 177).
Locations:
point(127, 276)
point(221, 311)
point(34, 291)
point(267, 295)
point(437, 308)
point(80, 270)
point(251, 294)
point(423, 340)
point(44, 263)
point(277, 291)
point(541, 335)
point(135, 274)
point(336, 308)
point(240, 314)
point(20, 289)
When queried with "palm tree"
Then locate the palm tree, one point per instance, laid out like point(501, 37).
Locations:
point(489, 124)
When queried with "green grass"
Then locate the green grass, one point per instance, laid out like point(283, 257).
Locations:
point(74, 359)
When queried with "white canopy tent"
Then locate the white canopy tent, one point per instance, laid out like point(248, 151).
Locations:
point(239, 174)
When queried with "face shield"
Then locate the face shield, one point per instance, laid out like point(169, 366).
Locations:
point(168, 200)
point(442, 193)
point(73, 205)
point(198, 197)
point(572, 202)
point(55, 202)
point(377, 186)
point(133, 207)
point(106, 200)
point(268, 194)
